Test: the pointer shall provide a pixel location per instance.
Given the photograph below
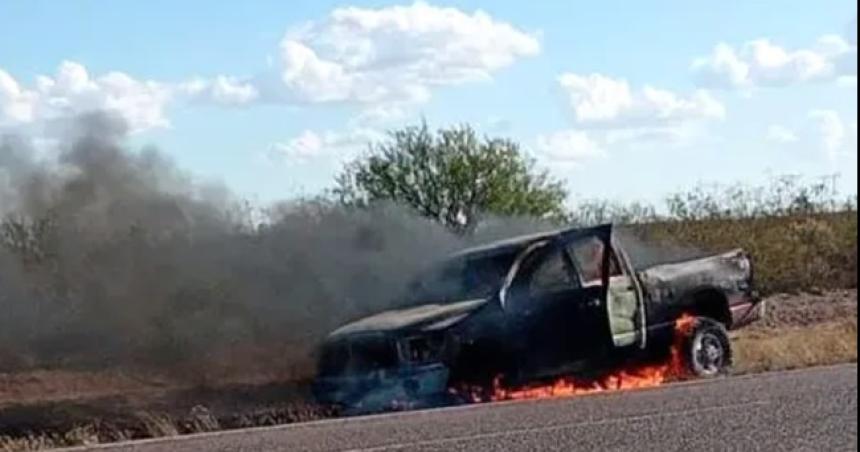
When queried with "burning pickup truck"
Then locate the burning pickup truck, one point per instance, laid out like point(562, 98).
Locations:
point(534, 308)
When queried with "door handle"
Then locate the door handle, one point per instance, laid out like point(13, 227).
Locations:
point(593, 303)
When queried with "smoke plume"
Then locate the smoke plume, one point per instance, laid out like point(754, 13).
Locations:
point(111, 256)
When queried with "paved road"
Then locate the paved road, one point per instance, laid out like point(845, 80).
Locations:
point(810, 410)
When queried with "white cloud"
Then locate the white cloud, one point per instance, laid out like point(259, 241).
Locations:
point(222, 90)
point(596, 97)
point(303, 147)
point(723, 67)
point(568, 146)
point(310, 145)
point(780, 134)
point(142, 104)
point(601, 101)
point(16, 103)
point(385, 59)
point(396, 54)
point(610, 113)
point(313, 79)
point(72, 90)
point(831, 131)
point(761, 62)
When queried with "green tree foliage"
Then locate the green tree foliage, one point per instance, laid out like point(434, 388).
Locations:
point(452, 177)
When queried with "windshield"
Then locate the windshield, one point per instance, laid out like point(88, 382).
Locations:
point(463, 278)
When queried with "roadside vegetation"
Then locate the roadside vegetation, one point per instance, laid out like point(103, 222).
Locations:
point(800, 330)
point(135, 306)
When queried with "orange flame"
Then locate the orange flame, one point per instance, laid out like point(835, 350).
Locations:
point(634, 377)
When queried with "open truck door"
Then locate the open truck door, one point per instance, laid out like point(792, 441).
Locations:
point(602, 262)
point(626, 302)
point(560, 300)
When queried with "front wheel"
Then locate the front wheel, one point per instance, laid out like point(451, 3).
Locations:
point(708, 349)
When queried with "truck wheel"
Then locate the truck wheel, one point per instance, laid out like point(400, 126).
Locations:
point(708, 349)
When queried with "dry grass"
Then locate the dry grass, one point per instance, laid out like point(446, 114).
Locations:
point(158, 425)
point(78, 436)
point(58, 384)
point(796, 347)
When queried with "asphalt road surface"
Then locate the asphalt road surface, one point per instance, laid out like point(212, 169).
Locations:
point(814, 410)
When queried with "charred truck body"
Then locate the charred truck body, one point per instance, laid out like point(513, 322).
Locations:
point(562, 303)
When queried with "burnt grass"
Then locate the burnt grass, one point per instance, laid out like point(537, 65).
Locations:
point(171, 412)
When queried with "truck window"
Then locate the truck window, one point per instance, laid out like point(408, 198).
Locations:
point(588, 254)
point(461, 278)
point(551, 275)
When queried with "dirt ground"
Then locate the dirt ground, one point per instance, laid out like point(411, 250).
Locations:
point(805, 309)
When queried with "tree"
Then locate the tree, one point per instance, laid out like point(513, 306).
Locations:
point(451, 176)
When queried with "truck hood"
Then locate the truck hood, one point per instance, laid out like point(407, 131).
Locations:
point(424, 317)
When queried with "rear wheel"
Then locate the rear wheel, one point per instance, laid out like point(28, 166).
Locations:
point(708, 349)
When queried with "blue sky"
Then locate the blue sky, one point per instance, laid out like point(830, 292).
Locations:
point(623, 100)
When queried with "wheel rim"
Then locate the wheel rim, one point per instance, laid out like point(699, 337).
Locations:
point(708, 354)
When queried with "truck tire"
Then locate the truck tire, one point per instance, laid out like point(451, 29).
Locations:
point(708, 349)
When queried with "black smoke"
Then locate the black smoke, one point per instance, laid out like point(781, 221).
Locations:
point(114, 256)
